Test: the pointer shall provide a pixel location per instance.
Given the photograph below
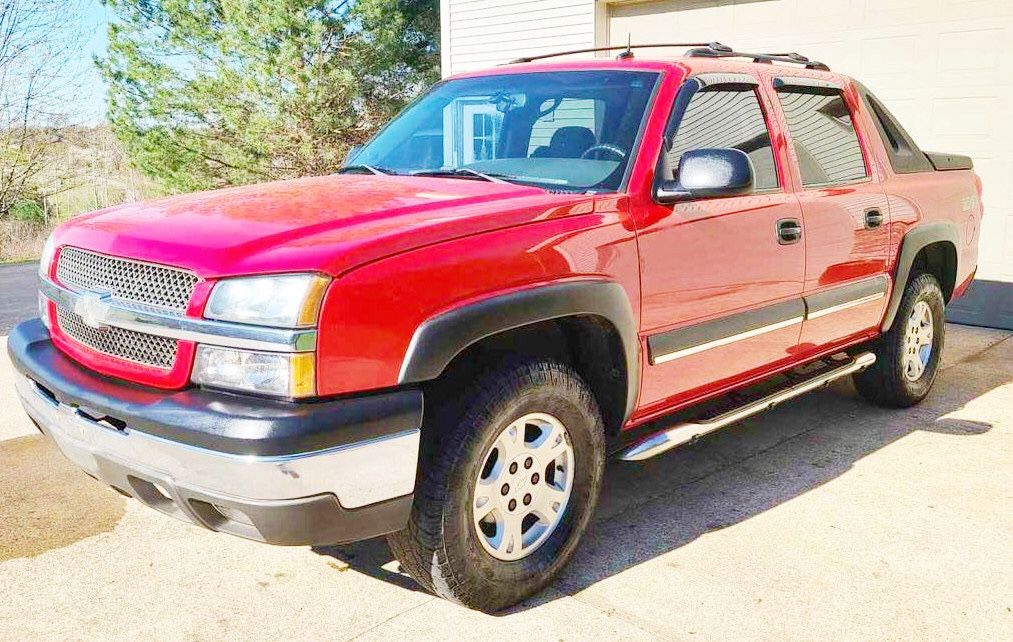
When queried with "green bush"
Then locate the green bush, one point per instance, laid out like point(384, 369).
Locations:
point(28, 211)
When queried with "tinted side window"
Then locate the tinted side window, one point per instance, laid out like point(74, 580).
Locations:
point(825, 140)
point(905, 156)
point(721, 119)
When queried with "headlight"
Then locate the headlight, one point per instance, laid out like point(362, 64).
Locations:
point(283, 301)
point(268, 373)
point(46, 258)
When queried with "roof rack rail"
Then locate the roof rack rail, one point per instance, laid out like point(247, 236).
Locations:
point(766, 58)
point(709, 46)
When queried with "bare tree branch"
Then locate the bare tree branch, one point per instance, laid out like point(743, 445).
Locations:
point(37, 41)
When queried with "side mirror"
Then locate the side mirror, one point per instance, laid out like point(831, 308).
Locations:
point(708, 173)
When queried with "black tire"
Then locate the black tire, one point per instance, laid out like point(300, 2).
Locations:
point(440, 547)
point(885, 383)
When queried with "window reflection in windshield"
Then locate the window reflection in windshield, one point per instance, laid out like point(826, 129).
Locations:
point(572, 131)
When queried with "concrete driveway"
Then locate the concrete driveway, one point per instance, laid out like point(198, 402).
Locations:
point(825, 519)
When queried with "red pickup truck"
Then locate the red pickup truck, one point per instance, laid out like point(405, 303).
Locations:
point(531, 268)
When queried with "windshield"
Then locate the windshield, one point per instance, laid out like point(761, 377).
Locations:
point(566, 131)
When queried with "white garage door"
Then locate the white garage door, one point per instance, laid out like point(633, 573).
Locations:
point(943, 67)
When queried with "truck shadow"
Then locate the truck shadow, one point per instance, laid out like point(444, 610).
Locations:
point(657, 506)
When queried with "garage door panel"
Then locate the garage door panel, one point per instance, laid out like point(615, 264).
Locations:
point(873, 7)
point(970, 50)
point(751, 15)
point(977, 8)
point(824, 10)
point(904, 51)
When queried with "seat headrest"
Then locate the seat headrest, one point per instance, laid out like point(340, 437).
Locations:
point(571, 142)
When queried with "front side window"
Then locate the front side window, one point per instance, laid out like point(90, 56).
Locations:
point(717, 118)
point(825, 140)
point(566, 131)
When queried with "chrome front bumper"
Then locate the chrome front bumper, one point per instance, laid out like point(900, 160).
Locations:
point(351, 491)
point(357, 474)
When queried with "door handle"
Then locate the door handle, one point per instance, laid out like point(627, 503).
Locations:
point(789, 230)
point(873, 218)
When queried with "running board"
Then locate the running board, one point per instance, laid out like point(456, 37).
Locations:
point(683, 433)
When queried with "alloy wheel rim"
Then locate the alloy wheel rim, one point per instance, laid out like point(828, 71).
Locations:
point(523, 486)
point(918, 341)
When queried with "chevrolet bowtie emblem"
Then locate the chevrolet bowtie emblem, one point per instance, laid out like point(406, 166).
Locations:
point(93, 308)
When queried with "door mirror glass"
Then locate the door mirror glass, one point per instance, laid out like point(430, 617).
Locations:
point(708, 173)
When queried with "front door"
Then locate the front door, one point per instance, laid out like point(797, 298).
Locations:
point(721, 280)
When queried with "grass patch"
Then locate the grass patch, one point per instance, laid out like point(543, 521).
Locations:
point(22, 240)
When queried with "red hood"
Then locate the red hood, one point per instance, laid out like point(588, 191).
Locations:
point(328, 224)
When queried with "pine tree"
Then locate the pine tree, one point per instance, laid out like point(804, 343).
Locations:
point(209, 93)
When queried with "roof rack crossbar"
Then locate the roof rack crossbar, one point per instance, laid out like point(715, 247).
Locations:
point(711, 46)
point(766, 58)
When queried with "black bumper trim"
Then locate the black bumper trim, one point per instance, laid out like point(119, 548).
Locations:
point(219, 421)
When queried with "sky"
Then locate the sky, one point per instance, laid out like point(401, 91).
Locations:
point(91, 94)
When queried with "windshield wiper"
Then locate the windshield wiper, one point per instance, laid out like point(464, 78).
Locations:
point(358, 169)
point(463, 172)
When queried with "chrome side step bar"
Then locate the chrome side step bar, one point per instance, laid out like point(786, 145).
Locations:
point(683, 433)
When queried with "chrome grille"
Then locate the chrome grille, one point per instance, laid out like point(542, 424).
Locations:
point(138, 347)
point(125, 279)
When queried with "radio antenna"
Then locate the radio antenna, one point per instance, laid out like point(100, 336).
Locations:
point(626, 55)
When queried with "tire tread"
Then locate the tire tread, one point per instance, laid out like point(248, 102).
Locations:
point(883, 383)
point(421, 547)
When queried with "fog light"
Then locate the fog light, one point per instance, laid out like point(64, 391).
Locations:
point(44, 312)
point(233, 514)
point(268, 373)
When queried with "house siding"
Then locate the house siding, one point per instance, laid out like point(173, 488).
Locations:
point(484, 33)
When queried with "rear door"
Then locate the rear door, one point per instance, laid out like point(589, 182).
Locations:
point(721, 291)
point(844, 212)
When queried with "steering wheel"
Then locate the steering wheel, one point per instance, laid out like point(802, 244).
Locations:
point(604, 147)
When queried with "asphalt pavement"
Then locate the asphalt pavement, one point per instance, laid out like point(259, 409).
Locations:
point(18, 294)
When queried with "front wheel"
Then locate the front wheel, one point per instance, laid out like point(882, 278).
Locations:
point(907, 356)
point(510, 475)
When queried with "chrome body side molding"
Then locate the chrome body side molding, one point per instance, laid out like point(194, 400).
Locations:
point(845, 306)
point(685, 352)
point(683, 342)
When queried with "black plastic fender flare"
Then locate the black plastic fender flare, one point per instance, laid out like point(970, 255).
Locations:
point(438, 340)
point(913, 243)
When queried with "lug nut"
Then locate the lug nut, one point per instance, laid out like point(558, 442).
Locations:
point(535, 478)
point(528, 462)
point(505, 489)
point(527, 500)
point(513, 468)
point(513, 504)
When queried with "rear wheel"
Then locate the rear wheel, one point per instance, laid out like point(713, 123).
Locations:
point(907, 356)
point(510, 474)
